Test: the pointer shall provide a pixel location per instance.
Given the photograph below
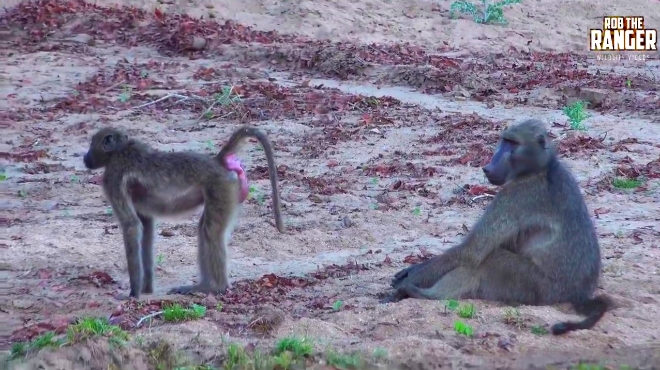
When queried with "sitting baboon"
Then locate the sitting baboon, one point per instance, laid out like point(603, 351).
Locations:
point(535, 244)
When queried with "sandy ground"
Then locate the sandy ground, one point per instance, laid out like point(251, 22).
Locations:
point(378, 149)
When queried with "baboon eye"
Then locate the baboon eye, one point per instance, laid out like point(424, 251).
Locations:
point(510, 145)
point(107, 142)
point(541, 141)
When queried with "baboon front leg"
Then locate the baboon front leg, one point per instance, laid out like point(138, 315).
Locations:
point(148, 235)
point(132, 234)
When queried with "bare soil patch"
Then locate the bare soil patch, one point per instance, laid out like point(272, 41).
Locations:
point(378, 147)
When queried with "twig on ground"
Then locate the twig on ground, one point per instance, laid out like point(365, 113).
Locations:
point(112, 87)
point(216, 101)
point(149, 316)
point(483, 196)
point(181, 98)
point(207, 110)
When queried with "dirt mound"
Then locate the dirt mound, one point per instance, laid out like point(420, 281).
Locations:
point(92, 354)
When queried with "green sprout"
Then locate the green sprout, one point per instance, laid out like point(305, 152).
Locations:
point(177, 313)
point(451, 305)
point(489, 13)
point(299, 347)
point(576, 114)
point(467, 311)
point(539, 330)
point(463, 328)
point(125, 93)
point(625, 183)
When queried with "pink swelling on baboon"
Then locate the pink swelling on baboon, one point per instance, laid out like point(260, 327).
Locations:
point(234, 164)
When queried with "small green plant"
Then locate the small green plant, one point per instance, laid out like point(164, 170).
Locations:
point(337, 305)
point(451, 305)
point(512, 317)
point(299, 347)
point(585, 366)
point(373, 101)
point(125, 93)
point(219, 306)
point(108, 211)
point(176, 313)
point(417, 211)
point(160, 258)
point(462, 328)
point(343, 361)
point(539, 330)
point(254, 193)
point(628, 83)
point(84, 329)
point(576, 114)
point(283, 361)
point(236, 357)
point(94, 327)
point(380, 353)
point(225, 98)
point(3, 176)
point(228, 96)
point(18, 350)
point(625, 183)
point(489, 12)
point(45, 340)
point(467, 311)
point(374, 180)
point(74, 178)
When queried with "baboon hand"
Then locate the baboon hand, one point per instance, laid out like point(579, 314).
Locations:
point(402, 275)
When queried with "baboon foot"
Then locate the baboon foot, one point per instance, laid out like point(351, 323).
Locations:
point(147, 288)
point(196, 288)
point(126, 297)
point(407, 272)
point(398, 295)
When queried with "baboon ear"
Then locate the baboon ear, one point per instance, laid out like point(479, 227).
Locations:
point(108, 143)
point(541, 140)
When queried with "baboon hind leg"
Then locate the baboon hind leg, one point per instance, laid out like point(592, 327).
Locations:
point(147, 250)
point(503, 276)
point(460, 282)
point(512, 278)
point(214, 233)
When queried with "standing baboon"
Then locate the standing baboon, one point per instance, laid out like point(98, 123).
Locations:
point(535, 244)
point(142, 183)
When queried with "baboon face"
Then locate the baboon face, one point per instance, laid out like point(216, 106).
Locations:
point(497, 170)
point(522, 150)
point(105, 142)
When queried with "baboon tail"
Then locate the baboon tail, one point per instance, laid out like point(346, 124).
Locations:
point(593, 309)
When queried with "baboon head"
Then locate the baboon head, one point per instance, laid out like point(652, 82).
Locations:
point(523, 149)
point(104, 143)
